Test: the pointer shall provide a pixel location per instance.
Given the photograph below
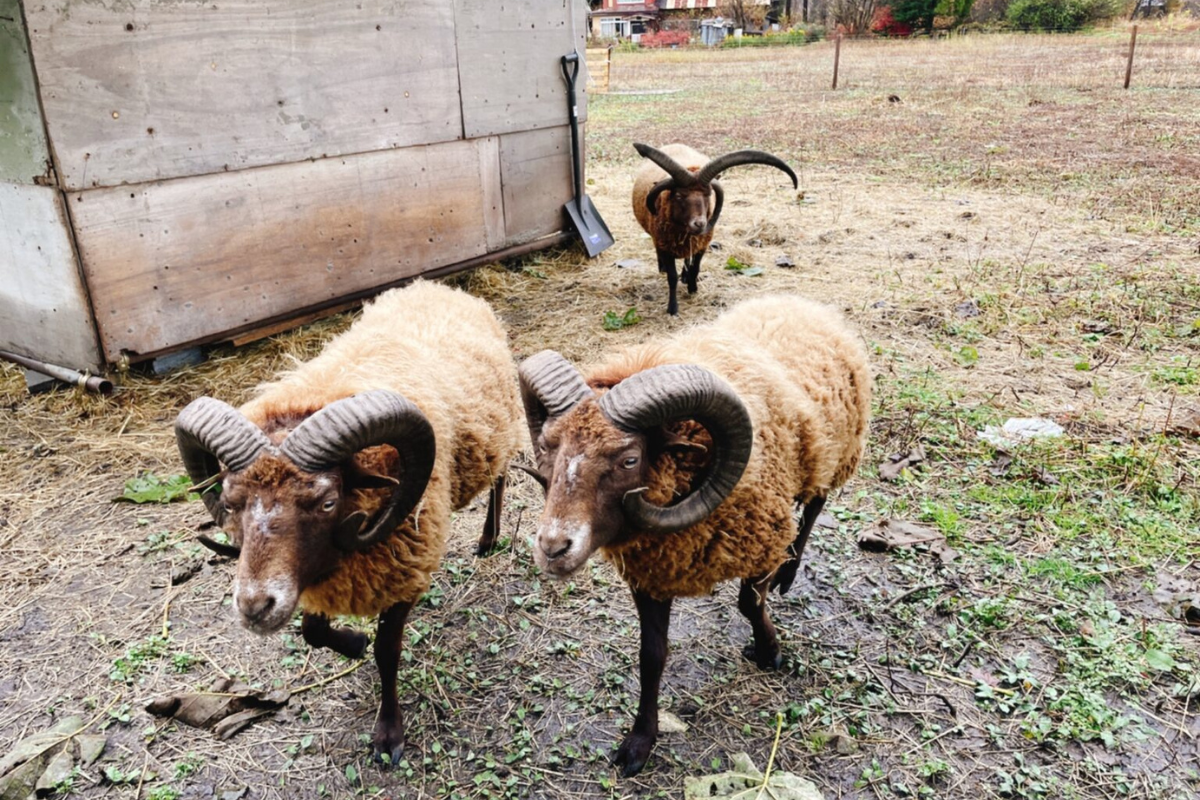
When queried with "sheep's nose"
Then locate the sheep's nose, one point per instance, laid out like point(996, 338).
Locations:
point(255, 605)
point(697, 225)
point(554, 546)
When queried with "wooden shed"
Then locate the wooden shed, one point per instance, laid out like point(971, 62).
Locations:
point(175, 172)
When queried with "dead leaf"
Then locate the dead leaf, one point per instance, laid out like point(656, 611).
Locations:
point(669, 723)
point(33, 746)
point(826, 520)
point(57, 771)
point(91, 745)
point(1000, 463)
point(1186, 425)
point(227, 708)
point(743, 779)
point(891, 469)
point(893, 534)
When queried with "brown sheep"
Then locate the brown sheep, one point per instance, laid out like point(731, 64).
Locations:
point(339, 479)
point(682, 461)
point(677, 200)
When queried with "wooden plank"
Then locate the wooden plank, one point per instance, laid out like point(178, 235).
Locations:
point(44, 312)
point(174, 262)
point(24, 157)
point(151, 89)
point(599, 64)
point(536, 169)
point(508, 58)
point(493, 195)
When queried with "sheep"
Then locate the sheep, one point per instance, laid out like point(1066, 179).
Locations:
point(340, 477)
point(677, 200)
point(681, 462)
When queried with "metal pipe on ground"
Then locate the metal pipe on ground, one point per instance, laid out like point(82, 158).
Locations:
point(93, 383)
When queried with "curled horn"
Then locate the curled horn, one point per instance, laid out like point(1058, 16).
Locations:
point(721, 163)
point(550, 386)
point(684, 391)
point(210, 433)
point(666, 184)
point(339, 430)
point(720, 201)
point(679, 173)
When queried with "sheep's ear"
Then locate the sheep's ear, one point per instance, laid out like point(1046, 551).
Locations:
point(355, 476)
point(673, 442)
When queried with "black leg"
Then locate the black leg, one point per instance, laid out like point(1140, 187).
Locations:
point(655, 618)
point(491, 526)
point(389, 729)
point(752, 602)
point(787, 573)
point(693, 272)
point(317, 631)
point(666, 263)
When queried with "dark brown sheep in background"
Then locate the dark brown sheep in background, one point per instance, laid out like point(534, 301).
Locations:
point(338, 480)
point(677, 200)
point(682, 461)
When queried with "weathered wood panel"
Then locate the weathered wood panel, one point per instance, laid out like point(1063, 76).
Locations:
point(44, 311)
point(536, 170)
point(180, 261)
point(508, 52)
point(23, 153)
point(150, 89)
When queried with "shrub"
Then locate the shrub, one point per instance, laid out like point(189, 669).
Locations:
point(812, 33)
point(885, 24)
point(665, 39)
point(1057, 15)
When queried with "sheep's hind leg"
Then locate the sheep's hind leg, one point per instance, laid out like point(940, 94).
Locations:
point(655, 618)
point(787, 573)
point(319, 633)
point(389, 729)
point(666, 263)
point(752, 602)
point(491, 526)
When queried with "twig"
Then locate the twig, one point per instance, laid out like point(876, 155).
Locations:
point(774, 749)
point(331, 678)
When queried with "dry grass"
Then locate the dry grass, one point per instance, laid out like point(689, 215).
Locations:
point(1012, 176)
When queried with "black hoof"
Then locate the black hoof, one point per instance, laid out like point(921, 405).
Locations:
point(632, 754)
point(388, 744)
point(767, 661)
point(353, 646)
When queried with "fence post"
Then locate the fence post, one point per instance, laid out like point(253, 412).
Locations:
point(1129, 64)
point(837, 53)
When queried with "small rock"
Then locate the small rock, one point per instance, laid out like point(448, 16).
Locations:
point(893, 98)
point(715, 246)
point(669, 723)
point(967, 310)
point(755, 242)
point(91, 745)
point(784, 261)
point(826, 520)
point(630, 263)
point(233, 794)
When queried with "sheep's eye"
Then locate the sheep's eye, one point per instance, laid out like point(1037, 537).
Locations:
point(228, 508)
point(630, 462)
point(329, 505)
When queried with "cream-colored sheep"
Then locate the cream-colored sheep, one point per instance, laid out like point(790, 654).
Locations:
point(782, 389)
point(340, 477)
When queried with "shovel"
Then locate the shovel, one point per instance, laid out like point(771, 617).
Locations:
point(583, 213)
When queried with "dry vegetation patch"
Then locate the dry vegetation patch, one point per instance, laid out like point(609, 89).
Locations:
point(1015, 238)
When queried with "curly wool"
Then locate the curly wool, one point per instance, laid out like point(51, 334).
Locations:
point(448, 353)
point(804, 378)
point(678, 243)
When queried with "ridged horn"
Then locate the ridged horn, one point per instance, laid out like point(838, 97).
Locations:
point(720, 202)
point(550, 386)
point(210, 433)
point(684, 391)
point(680, 173)
point(339, 430)
point(666, 184)
point(712, 169)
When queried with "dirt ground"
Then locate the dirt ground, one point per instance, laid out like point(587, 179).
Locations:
point(1014, 236)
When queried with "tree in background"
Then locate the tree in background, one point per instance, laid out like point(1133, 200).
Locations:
point(853, 15)
point(917, 14)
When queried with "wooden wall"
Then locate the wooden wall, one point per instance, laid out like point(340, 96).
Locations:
point(229, 163)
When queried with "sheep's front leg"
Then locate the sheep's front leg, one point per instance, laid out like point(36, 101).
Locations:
point(752, 602)
point(317, 631)
point(655, 618)
point(491, 525)
point(666, 263)
point(692, 273)
point(389, 730)
point(787, 573)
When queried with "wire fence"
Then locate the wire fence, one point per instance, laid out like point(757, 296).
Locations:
point(1162, 59)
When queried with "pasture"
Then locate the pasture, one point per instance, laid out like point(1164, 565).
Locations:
point(1014, 236)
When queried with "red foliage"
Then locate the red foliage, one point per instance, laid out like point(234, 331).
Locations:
point(885, 24)
point(664, 38)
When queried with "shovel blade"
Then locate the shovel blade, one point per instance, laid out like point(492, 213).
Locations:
point(589, 225)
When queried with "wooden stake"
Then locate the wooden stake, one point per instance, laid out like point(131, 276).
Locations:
point(837, 53)
point(1128, 66)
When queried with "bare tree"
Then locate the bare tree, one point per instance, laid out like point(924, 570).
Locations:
point(746, 14)
point(854, 15)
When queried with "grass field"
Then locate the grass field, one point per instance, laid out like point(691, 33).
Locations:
point(1015, 236)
